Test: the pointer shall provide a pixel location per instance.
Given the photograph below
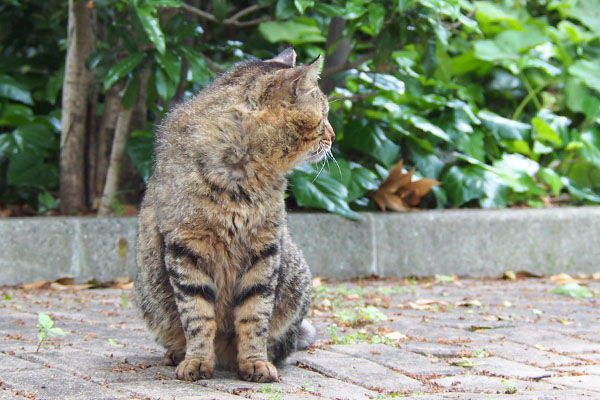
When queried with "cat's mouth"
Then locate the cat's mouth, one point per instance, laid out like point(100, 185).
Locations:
point(320, 153)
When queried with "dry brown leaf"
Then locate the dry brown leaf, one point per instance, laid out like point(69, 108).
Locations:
point(468, 303)
point(36, 285)
point(398, 192)
point(563, 278)
point(425, 304)
point(65, 281)
point(510, 275)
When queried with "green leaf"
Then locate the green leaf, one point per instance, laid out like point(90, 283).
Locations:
point(28, 169)
point(426, 126)
point(200, 71)
point(371, 140)
point(131, 92)
point(302, 5)
point(322, 192)
point(121, 69)
point(576, 93)
point(35, 138)
point(376, 17)
point(489, 13)
point(581, 192)
point(463, 184)
point(574, 290)
point(588, 72)
point(151, 26)
point(297, 31)
point(11, 89)
point(552, 179)
point(171, 64)
point(219, 9)
point(285, 9)
point(140, 149)
point(504, 128)
point(46, 202)
point(53, 332)
point(15, 115)
point(545, 131)
point(45, 321)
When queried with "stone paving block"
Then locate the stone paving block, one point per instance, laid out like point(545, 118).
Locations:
point(433, 349)
point(527, 354)
point(587, 382)
point(486, 384)
point(11, 363)
point(8, 395)
point(398, 359)
point(322, 385)
point(173, 389)
point(549, 340)
point(95, 367)
point(358, 371)
point(530, 395)
point(501, 367)
point(593, 369)
point(50, 384)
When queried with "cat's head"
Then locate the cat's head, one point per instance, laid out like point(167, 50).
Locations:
point(289, 110)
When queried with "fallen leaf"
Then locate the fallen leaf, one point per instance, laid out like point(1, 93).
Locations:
point(475, 328)
point(464, 362)
point(510, 275)
point(563, 278)
point(65, 281)
point(398, 192)
point(316, 282)
point(425, 304)
point(36, 285)
point(468, 303)
point(596, 276)
point(396, 336)
point(574, 290)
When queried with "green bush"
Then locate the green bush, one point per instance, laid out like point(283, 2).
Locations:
point(497, 100)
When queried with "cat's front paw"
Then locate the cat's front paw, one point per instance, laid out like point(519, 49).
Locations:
point(193, 369)
point(257, 371)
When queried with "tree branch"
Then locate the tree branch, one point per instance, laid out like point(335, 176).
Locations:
point(234, 19)
point(360, 96)
point(349, 65)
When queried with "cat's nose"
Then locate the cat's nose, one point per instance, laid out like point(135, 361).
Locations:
point(330, 131)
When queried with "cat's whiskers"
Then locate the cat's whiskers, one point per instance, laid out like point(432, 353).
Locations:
point(330, 154)
point(319, 173)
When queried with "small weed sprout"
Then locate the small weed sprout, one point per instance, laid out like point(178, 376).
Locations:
point(509, 387)
point(125, 300)
point(266, 388)
point(46, 329)
point(307, 387)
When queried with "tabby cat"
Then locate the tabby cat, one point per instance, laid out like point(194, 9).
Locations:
point(219, 281)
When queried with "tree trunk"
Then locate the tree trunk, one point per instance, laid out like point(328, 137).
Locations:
point(340, 54)
point(116, 157)
point(106, 132)
point(74, 109)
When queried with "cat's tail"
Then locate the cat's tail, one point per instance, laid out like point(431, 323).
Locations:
point(306, 335)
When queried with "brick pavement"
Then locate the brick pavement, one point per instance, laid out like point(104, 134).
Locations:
point(378, 339)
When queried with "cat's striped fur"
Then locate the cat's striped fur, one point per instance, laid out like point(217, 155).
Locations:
point(219, 281)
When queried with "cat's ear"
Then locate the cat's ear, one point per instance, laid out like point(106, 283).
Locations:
point(287, 57)
point(293, 83)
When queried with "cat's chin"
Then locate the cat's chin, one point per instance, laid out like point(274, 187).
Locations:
point(315, 157)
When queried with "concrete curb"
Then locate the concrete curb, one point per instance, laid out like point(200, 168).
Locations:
point(474, 243)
